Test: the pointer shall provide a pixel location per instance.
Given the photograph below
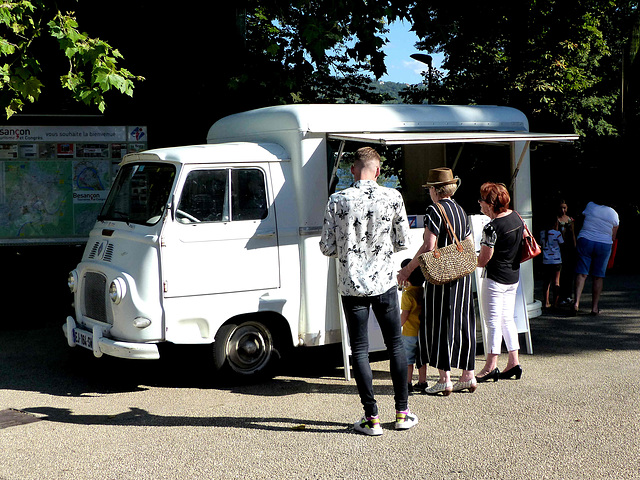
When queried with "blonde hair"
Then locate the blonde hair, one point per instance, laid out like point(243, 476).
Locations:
point(446, 190)
point(366, 158)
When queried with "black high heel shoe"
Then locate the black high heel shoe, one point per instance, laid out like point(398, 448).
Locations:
point(492, 375)
point(514, 371)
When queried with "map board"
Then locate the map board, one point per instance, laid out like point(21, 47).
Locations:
point(54, 179)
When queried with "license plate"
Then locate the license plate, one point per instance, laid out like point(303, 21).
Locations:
point(83, 338)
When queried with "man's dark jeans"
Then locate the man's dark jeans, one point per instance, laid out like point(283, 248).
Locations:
point(386, 310)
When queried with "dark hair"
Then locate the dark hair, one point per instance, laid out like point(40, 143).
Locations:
point(496, 195)
point(415, 278)
point(551, 224)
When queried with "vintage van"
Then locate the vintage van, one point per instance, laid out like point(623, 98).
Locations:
point(218, 243)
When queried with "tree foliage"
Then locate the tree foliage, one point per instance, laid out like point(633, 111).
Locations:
point(552, 59)
point(93, 63)
point(569, 66)
point(560, 62)
point(315, 50)
point(557, 61)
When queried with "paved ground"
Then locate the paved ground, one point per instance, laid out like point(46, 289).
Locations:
point(574, 413)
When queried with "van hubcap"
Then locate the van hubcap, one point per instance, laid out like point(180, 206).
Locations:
point(249, 348)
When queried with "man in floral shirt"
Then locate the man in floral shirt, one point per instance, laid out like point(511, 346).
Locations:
point(363, 226)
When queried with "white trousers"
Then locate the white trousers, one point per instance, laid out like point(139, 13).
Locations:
point(498, 306)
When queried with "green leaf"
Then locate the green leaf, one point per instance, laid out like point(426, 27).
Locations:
point(30, 88)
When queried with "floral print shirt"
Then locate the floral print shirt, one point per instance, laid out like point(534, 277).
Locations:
point(363, 226)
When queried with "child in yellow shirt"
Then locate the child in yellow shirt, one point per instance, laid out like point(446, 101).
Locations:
point(411, 306)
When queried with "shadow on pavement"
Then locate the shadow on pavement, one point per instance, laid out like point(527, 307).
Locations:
point(39, 360)
point(141, 417)
point(617, 327)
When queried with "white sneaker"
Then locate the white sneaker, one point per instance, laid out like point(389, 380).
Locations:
point(405, 420)
point(368, 426)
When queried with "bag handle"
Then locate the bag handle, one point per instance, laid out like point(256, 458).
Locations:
point(526, 232)
point(452, 233)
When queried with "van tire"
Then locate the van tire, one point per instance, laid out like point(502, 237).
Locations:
point(244, 350)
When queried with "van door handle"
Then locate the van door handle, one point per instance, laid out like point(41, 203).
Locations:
point(265, 234)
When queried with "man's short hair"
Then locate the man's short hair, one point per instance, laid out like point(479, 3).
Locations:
point(366, 157)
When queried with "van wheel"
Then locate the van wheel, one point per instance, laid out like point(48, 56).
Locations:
point(244, 350)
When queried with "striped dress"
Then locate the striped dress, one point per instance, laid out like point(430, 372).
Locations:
point(447, 337)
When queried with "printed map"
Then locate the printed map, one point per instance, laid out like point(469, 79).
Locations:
point(36, 199)
point(52, 198)
point(54, 179)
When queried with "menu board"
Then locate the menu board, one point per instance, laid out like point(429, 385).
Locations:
point(54, 179)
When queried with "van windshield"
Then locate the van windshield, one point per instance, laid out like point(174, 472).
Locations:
point(139, 194)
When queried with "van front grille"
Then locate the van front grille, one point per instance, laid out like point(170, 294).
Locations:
point(108, 254)
point(94, 249)
point(100, 250)
point(95, 296)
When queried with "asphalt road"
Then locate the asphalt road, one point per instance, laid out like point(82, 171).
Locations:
point(574, 414)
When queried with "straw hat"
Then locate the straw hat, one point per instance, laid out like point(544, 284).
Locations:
point(441, 176)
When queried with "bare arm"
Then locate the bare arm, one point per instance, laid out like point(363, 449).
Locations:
point(404, 315)
point(614, 233)
point(485, 255)
point(429, 243)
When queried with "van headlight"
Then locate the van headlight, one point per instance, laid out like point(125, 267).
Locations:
point(141, 322)
point(72, 281)
point(117, 290)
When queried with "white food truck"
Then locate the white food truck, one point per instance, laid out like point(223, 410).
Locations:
point(218, 243)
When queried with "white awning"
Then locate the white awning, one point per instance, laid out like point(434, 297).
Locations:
point(416, 138)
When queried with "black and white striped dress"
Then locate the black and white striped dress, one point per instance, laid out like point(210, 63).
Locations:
point(447, 337)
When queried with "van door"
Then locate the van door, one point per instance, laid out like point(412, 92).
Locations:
point(223, 238)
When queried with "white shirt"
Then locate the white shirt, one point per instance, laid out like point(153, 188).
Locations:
point(599, 221)
point(363, 226)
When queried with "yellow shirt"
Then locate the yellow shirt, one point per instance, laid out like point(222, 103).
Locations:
point(412, 300)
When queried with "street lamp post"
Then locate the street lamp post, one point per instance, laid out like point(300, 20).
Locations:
point(427, 60)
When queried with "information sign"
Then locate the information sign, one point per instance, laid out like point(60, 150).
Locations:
point(54, 179)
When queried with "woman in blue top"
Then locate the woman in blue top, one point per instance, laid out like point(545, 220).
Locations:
point(595, 239)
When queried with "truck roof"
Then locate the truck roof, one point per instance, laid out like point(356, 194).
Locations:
point(228, 153)
point(384, 124)
point(345, 118)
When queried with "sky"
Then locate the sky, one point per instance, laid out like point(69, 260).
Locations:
point(401, 67)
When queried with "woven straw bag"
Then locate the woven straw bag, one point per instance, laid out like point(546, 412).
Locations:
point(457, 260)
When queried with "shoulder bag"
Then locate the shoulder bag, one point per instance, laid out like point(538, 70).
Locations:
point(446, 264)
point(530, 247)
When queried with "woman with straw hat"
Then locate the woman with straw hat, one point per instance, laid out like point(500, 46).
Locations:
point(447, 337)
